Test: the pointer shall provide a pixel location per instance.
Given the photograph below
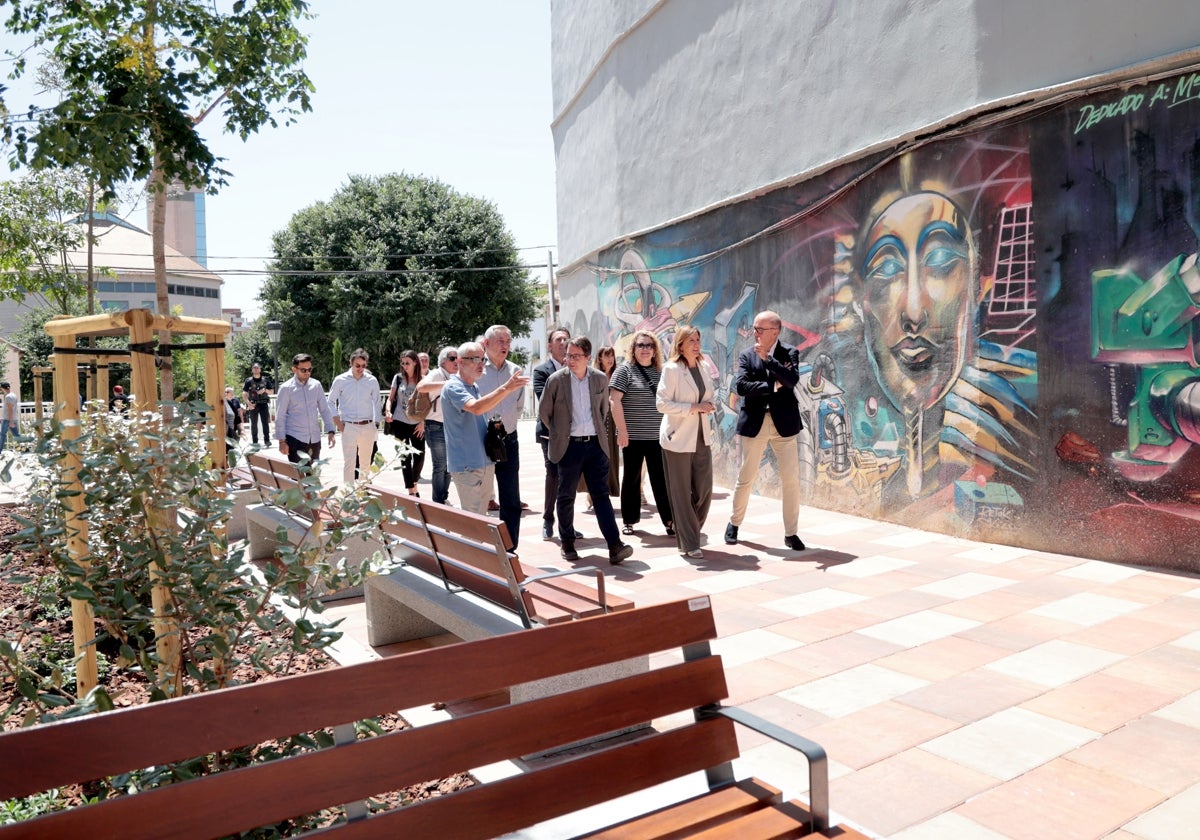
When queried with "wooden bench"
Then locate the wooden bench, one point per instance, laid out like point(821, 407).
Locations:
point(457, 574)
point(463, 553)
point(285, 515)
point(697, 748)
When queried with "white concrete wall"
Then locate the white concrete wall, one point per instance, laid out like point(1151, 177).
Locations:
point(665, 108)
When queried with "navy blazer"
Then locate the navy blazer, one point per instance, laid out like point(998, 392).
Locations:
point(755, 384)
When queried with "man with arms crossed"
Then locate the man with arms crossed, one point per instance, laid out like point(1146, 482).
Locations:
point(768, 414)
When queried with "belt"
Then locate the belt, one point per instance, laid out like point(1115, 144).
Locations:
point(358, 422)
point(582, 438)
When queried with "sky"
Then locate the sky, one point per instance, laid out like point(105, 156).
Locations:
point(458, 91)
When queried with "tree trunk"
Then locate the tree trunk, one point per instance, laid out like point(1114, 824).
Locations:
point(158, 226)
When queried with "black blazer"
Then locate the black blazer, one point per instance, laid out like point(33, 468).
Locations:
point(755, 384)
point(540, 374)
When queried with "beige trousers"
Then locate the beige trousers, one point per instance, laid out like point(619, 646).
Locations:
point(787, 455)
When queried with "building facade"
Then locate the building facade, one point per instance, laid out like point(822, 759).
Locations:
point(978, 221)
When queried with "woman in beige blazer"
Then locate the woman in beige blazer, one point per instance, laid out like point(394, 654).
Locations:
point(685, 397)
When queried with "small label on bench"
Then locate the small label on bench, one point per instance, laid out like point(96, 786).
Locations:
point(698, 603)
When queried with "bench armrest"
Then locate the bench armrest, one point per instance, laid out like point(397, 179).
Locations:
point(582, 570)
point(818, 762)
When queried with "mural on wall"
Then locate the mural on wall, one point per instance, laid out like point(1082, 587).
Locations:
point(998, 329)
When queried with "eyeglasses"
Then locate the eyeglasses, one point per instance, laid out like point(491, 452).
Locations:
point(641, 345)
point(577, 355)
point(304, 370)
point(452, 358)
point(470, 358)
point(766, 329)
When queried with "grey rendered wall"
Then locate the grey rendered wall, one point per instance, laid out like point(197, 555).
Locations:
point(663, 109)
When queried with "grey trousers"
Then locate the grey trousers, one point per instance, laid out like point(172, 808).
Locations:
point(689, 487)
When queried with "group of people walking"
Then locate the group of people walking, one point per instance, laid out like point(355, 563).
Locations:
point(658, 413)
point(655, 408)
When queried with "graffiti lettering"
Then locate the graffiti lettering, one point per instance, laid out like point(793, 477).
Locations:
point(1090, 115)
point(1186, 89)
point(1160, 92)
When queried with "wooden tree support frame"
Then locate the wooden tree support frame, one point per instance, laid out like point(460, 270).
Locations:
point(141, 326)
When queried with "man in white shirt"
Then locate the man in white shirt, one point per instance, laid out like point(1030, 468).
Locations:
point(354, 402)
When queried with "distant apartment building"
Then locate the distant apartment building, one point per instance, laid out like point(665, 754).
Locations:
point(124, 265)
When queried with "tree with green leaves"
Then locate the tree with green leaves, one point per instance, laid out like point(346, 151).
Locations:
point(40, 216)
point(139, 76)
point(396, 262)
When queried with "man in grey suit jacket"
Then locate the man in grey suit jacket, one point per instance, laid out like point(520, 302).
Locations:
point(574, 409)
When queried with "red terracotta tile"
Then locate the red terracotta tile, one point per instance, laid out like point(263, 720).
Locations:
point(1153, 752)
point(1060, 799)
point(877, 733)
point(1100, 701)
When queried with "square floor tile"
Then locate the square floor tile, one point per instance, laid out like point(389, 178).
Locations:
point(1174, 819)
point(1153, 752)
point(966, 585)
point(729, 580)
point(857, 688)
point(819, 600)
point(919, 628)
point(1101, 572)
point(1010, 742)
point(1100, 701)
point(870, 566)
point(838, 526)
point(1054, 663)
point(752, 645)
point(1185, 710)
point(949, 824)
point(971, 696)
point(994, 553)
point(908, 539)
point(1087, 608)
point(1190, 641)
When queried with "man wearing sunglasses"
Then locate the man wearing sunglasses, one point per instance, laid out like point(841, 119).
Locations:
point(300, 409)
point(464, 422)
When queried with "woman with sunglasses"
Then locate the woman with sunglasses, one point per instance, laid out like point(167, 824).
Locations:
point(631, 394)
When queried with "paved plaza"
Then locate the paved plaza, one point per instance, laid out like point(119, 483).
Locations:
point(961, 689)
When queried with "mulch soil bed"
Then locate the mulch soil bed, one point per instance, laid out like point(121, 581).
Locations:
point(127, 687)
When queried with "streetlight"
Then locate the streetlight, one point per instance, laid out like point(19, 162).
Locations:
point(274, 334)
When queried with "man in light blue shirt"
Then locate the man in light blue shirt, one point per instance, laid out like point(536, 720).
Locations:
point(300, 408)
point(354, 401)
point(464, 421)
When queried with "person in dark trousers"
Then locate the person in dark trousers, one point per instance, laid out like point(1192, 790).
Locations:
point(575, 410)
point(557, 344)
point(256, 399)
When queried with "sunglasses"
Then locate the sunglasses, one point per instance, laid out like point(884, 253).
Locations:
point(641, 345)
point(452, 358)
point(304, 370)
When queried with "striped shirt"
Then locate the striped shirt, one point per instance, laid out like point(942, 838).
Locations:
point(638, 384)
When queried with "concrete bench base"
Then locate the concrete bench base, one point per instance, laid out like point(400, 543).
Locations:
point(262, 524)
point(408, 604)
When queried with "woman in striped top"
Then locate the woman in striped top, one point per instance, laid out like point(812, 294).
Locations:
point(637, 418)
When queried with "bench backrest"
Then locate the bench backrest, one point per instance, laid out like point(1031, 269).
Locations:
point(272, 475)
point(464, 549)
point(80, 749)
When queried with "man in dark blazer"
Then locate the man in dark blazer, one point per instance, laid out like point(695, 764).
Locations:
point(768, 414)
point(557, 344)
point(578, 444)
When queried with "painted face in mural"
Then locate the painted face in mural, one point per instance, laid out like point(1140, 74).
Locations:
point(918, 271)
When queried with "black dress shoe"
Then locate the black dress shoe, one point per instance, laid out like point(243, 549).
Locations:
point(568, 551)
point(794, 543)
point(547, 532)
point(731, 534)
point(619, 552)
point(578, 535)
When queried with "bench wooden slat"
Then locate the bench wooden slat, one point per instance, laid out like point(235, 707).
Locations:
point(325, 778)
point(548, 792)
point(88, 748)
point(708, 809)
point(472, 526)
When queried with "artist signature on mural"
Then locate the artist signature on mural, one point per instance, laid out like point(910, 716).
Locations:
point(1186, 89)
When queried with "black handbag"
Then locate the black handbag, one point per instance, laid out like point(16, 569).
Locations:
point(495, 442)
